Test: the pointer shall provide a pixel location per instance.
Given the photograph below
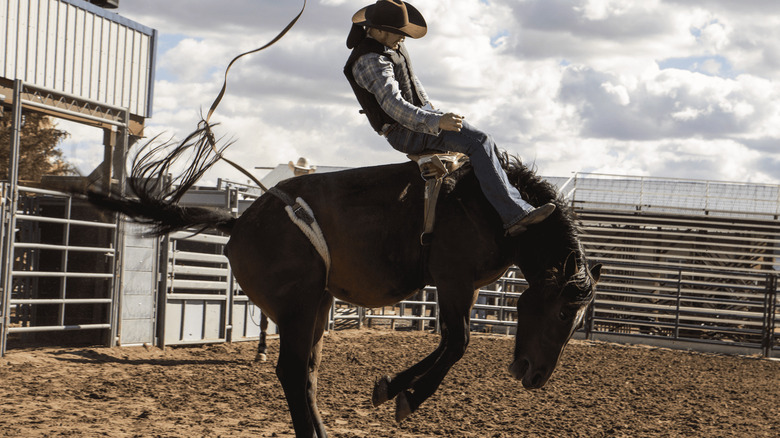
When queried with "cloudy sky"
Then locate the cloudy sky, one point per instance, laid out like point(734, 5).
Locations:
point(667, 88)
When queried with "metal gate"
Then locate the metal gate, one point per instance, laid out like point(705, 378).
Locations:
point(58, 269)
point(202, 303)
point(59, 260)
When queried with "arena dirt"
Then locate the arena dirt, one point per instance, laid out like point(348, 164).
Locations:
point(598, 390)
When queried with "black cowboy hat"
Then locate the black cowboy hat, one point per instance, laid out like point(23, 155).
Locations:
point(393, 16)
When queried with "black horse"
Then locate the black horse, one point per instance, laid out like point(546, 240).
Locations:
point(371, 219)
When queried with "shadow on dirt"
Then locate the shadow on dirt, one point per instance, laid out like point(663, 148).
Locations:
point(91, 356)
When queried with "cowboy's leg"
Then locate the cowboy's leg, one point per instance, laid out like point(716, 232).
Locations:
point(483, 153)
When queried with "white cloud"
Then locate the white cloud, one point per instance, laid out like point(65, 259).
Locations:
point(659, 87)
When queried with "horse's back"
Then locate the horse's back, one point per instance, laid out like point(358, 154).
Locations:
point(371, 219)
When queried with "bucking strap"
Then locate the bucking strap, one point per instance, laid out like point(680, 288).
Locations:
point(296, 207)
point(302, 215)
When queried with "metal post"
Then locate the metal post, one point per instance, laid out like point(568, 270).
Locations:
point(438, 322)
point(117, 162)
point(3, 299)
point(574, 190)
point(677, 309)
point(232, 205)
point(332, 318)
point(10, 205)
point(502, 299)
point(162, 290)
point(770, 308)
point(421, 322)
point(229, 307)
point(590, 314)
point(64, 261)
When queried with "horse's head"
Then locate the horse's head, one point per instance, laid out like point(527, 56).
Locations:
point(548, 313)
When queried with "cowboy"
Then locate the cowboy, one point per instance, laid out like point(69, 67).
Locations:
point(381, 75)
point(302, 167)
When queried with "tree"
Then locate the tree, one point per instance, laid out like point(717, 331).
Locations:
point(39, 151)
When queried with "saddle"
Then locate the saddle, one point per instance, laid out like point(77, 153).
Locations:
point(434, 168)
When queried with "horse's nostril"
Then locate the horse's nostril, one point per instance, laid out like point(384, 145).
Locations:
point(525, 364)
point(519, 367)
point(537, 379)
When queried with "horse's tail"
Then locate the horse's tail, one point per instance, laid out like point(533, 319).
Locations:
point(155, 196)
point(164, 217)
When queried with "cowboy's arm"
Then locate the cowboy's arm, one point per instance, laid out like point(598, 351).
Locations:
point(376, 75)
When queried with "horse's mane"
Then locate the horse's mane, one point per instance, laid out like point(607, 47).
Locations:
point(560, 231)
point(536, 190)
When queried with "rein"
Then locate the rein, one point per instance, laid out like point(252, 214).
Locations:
point(204, 123)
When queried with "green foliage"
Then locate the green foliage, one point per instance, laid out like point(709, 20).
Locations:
point(39, 152)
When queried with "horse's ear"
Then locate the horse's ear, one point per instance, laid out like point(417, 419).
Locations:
point(595, 272)
point(570, 266)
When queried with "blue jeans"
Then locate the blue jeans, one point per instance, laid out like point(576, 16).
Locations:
point(483, 153)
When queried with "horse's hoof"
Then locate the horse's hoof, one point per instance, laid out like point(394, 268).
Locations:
point(381, 389)
point(261, 357)
point(402, 408)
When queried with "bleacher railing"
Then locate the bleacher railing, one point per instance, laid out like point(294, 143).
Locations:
point(673, 195)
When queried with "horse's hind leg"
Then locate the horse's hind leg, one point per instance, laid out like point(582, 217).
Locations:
point(262, 347)
point(314, 361)
point(300, 346)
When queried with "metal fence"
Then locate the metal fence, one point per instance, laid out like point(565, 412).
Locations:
point(682, 280)
point(58, 268)
point(703, 309)
point(688, 263)
point(673, 195)
point(420, 312)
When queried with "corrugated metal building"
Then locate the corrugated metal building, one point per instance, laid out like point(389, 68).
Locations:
point(78, 49)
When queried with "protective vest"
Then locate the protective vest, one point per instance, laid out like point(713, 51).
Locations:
point(402, 69)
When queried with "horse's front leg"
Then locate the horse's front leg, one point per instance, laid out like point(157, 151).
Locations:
point(387, 388)
point(425, 376)
point(454, 316)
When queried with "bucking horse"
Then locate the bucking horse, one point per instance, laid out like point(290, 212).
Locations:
point(369, 221)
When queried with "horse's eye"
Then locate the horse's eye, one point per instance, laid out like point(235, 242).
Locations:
point(566, 315)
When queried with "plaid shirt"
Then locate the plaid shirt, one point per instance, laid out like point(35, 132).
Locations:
point(375, 73)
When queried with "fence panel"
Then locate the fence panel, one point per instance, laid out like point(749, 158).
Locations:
point(203, 303)
point(59, 270)
point(724, 310)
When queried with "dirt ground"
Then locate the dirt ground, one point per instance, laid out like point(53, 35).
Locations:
point(598, 390)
